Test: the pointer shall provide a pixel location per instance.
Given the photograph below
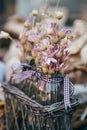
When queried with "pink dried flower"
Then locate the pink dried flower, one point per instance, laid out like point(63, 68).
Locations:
point(48, 58)
point(41, 35)
point(65, 43)
point(33, 37)
point(62, 34)
point(55, 29)
point(68, 31)
point(66, 53)
point(48, 28)
point(59, 53)
point(44, 44)
point(61, 66)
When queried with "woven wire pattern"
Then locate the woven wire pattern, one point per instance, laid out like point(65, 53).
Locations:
point(38, 116)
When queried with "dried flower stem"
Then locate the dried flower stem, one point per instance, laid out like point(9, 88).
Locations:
point(11, 38)
point(33, 22)
point(46, 4)
point(57, 4)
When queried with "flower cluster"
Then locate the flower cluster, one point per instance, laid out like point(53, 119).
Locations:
point(46, 43)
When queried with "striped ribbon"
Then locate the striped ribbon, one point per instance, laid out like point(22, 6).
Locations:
point(67, 88)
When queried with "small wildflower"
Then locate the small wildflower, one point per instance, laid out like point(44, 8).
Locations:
point(28, 23)
point(4, 35)
point(58, 53)
point(45, 70)
point(62, 34)
point(59, 15)
point(48, 29)
point(34, 12)
point(44, 44)
point(33, 37)
point(65, 43)
point(22, 38)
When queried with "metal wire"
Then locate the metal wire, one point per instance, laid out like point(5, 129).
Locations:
point(54, 111)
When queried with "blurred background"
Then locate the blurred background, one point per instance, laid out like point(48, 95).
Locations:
point(12, 16)
point(76, 8)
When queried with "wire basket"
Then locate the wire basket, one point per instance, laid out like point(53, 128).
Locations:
point(23, 113)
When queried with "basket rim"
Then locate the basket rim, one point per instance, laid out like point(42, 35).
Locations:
point(59, 106)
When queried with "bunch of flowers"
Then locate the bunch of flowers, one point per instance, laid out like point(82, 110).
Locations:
point(48, 46)
point(46, 43)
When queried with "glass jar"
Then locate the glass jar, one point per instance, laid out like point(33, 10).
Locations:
point(47, 90)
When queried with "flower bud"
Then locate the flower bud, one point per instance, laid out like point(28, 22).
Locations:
point(62, 34)
point(59, 15)
point(45, 70)
point(34, 12)
point(54, 40)
point(23, 41)
point(4, 34)
point(45, 65)
point(48, 31)
point(50, 71)
point(26, 25)
point(34, 55)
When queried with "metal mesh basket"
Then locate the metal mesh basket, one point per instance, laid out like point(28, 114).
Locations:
point(35, 101)
point(22, 112)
